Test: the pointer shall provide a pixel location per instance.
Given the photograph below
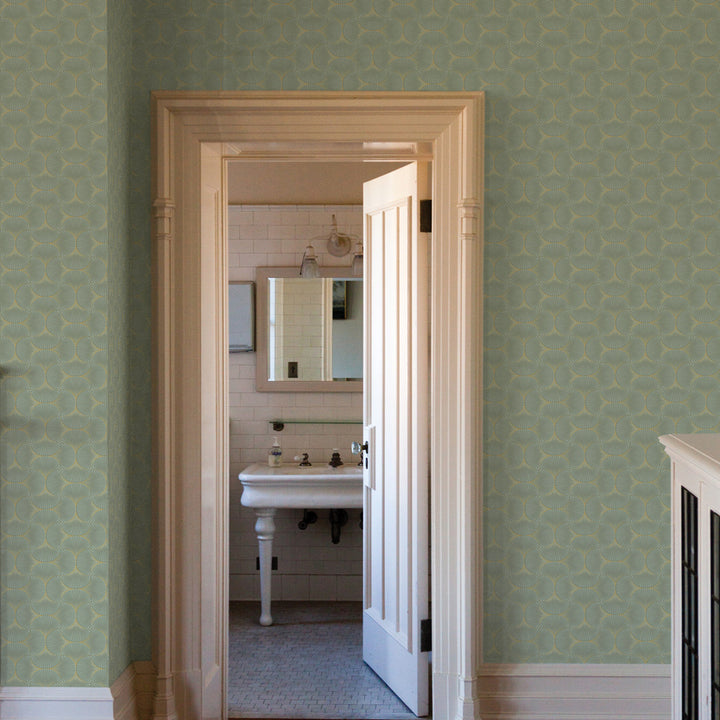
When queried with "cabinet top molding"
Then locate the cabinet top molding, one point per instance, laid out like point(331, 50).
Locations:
point(701, 450)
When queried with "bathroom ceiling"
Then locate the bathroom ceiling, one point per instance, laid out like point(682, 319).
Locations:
point(301, 183)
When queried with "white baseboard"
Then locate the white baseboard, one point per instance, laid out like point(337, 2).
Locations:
point(573, 692)
point(129, 698)
point(58, 703)
point(123, 693)
point(133, 692)
point(503, 692)
point(145, 677)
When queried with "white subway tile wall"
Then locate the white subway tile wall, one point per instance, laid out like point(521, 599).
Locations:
point(310, 567)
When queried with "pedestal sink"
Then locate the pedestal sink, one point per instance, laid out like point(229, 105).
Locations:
point(289, 486)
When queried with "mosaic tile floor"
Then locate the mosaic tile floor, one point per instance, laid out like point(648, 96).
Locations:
point(308, 664)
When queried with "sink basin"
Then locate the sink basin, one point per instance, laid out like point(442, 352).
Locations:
point(267, 488)
point(291, 486)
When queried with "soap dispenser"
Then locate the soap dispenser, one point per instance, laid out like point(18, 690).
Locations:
point(275, 454)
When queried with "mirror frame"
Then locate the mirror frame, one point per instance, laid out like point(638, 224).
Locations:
point(262, 383)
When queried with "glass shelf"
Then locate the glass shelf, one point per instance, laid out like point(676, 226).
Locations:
point(279, 425)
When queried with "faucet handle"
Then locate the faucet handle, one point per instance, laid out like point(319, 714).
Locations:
point(303, 459)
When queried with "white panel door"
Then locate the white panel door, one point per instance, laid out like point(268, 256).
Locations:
point(396, 429)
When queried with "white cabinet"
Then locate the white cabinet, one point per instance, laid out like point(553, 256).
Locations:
point(696, 575)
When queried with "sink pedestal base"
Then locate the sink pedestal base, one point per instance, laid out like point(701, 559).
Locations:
point(289, 486)
point(265, 530)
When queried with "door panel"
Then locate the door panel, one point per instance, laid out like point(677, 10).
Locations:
point(396, 417)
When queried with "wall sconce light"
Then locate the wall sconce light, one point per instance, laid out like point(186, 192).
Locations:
point(357, 263)
point(338, 244)
point(309, 266)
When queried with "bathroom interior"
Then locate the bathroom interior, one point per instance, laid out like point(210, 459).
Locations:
point(274, 211)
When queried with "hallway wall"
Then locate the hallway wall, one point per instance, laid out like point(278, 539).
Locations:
point(55, 144)
point(602, 278)
point(601, 254)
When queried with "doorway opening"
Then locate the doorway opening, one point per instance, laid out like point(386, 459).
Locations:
point(194, 134)
point(309, 662)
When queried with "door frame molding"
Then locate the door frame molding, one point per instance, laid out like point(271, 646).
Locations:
point(194, 133)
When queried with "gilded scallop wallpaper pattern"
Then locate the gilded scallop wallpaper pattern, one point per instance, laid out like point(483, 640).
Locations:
point(53, 344)
point(602, 294)
point(602, 253)
point(123, 592)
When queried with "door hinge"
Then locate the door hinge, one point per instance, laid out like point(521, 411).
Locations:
point(426, 216)
point(426, 635)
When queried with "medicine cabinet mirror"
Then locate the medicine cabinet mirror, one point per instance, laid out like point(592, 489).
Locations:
point(309, 331)
point(241, 316)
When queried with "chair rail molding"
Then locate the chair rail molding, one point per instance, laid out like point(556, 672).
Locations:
point(195, 134)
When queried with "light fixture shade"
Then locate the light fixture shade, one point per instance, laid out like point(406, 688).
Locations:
point(338, 244)
point(309, 266)
point(357, 263)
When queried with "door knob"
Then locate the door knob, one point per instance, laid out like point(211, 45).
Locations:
point(356, 448)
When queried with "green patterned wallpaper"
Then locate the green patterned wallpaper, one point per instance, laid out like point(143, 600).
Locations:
point(53, 344)
point(121, 558)
point(602, 294)
point(602, 256)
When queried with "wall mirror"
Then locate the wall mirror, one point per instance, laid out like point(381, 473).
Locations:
point(241, 316)
point(309, 331)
